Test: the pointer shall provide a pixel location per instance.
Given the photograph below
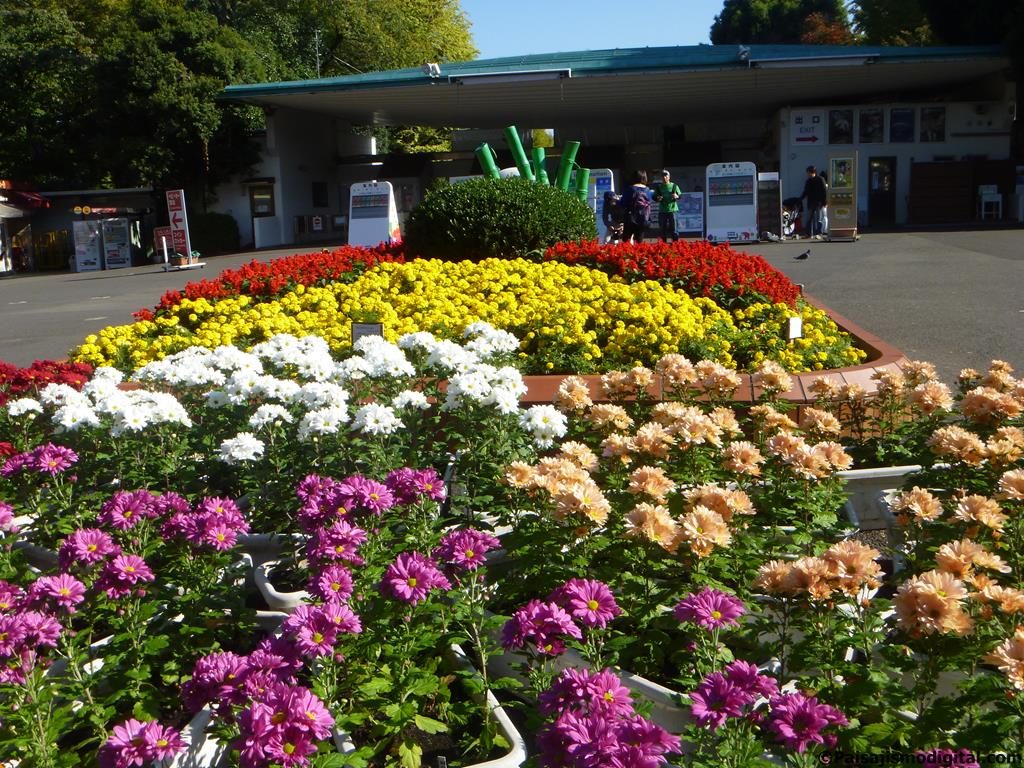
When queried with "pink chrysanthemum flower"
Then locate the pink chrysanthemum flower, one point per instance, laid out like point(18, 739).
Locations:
point(465, 549)
point(51, 459)
point(170, 504)
point(333, 584)
point(539, 626)
point(341, 541)
point(797, 720)
point(7, 524)
point(11, 596)
point(121, 575)
point(63, 589)
point(410, 485)
point(86, 546)
point(589, 601)
point(135, 743)
point(716, 700)
point(412, 577)
point(362, 493)
point(218, 535)
point(710, 609)
point(126, 509)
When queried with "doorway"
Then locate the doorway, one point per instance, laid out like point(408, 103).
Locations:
point(881, 192)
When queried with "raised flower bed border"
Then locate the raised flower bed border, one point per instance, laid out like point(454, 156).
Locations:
point(882, 357)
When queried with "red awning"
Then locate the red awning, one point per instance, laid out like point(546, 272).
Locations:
point(28, 201)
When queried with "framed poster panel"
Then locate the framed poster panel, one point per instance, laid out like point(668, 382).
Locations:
point(933, 123)
point(840, 126)
point(901, 125)
point(871, 126)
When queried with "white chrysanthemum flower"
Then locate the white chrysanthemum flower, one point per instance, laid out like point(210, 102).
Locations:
point(506, 400)
point(230, 358)
point(24, 405)
point(107, 373)
point(112, 404)
point(217, 398)
point(99, 388)
point(321, 394)
point(419, 340)
point(323, 421)
point(59, 394)
point(510, 378)
point(492, 342)
point(71, 418)
point(410, 399)
point(472, 385)
point(450, 356)
point(352, 369)
point(245, 446)
point(268, 415)
point(545, 422)
point(164, 408)
point(376, 419)
point(133, 418)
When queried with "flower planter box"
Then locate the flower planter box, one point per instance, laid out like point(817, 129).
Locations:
point(276, 600)
point(864, 489)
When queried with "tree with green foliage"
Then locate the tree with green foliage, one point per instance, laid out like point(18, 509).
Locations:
point(772, 21)
point(891, 22)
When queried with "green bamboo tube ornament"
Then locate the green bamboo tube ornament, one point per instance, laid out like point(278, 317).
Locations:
point(518, 153)
point(582, 183)
point(487, 158)
point(565, 166)
point(540, 165)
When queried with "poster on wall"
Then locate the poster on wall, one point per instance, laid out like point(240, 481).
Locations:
point(690, 217)
point(373, 215)
point(88, 241)
point(933, 123)
point(840, 126)
point(901, 125)
point(842, 196)
point(117, 244)
point(872, 126)
point(731, 203)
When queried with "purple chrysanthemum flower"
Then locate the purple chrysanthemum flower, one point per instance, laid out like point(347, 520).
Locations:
point(134, 742)
point(341, 541)
point(11, 596)
point(126, 509)
point(282, 726)
point(161, 742)
point(280, 653)
point(39, 629)
point(411, 577)
point(540, 626)
point(598, 741)
point(14, 464)
point(13, 634)
point(333, 584)
point(710, 609)
point(313, 633)
point(7, 524)
point(225, 511)
point(648, 743)
point(313, 487)
point(797, 720)
point(182, 525)
point(465, 549)
point(121, 575)
point(86, 546)
point(63, 589)
point(362, 493)
point(170, 504)
point(218, 677)
point(219, 535)
point(717, 699)
point(584, 692)
point(748, 678)
point(410, 485)
point(51, 459)
point(590, 602)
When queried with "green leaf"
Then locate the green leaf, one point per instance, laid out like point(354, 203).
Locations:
point(410, 754)
point(430, 725)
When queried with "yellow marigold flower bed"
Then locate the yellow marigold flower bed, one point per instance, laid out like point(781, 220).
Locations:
point(569, 318)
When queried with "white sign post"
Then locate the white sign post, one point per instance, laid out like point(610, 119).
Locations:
point(373, 215)
point(179, 222)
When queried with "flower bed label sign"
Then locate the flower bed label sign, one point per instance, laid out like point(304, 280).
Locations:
point(794, 328)
point(366, 329)
point(179, 221)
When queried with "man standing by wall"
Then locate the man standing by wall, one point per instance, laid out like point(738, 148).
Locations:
point(666, 194)
point(816, 196)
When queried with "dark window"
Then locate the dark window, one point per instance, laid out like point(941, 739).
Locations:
point(261, 200)
point(901, 125)
point(872, 126)
point(840, 126)
point(320, 194)
point(933, 123)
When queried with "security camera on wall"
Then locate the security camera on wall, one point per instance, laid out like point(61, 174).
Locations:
point(433, 69)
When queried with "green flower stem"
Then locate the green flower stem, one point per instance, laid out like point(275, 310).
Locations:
point(34, 692)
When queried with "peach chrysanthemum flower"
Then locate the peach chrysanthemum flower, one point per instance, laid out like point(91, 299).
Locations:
point(823, 388)
point(811, 576)
point(919, 372)
point(702, 530)
point(819, 423)
point(616, 384)
point(931, 396)
point(608, 416)
point(786, 446)
point(957, 444)
point(671, 413)
point(654, 523)
point(967, 378)
point(984, 405)
point(772, 377)
point(917, 503)
point(980, 509)
point(653, 439)
point(716, 379)
point(1010, 599)
point(618, 446)
point(853, 565)
point(999, 376)
point(573, 395)
point(958, 558)
point(726, 503)
point(651, 481)
point(725, 419)
point(584, 498)
point(676, 370)
point(1005, 447)
point(945, 586)
point(773, 576)
point(743, 458)
point(519, 474)
point(770, 420)
point(555, 471)
point(852, 393)
point(1008, 656)
point(579, 454)
point(834, 454)
point(698, 429)
point(1011, 486)
point(640, 378)
point(889, 382)
point(930, 604)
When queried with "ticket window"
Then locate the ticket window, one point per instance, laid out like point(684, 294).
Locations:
point(261, 200)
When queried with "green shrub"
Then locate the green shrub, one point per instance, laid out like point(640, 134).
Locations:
point(214, 233)
point(504, 218)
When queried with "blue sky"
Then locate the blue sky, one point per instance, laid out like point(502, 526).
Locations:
point(504, 28)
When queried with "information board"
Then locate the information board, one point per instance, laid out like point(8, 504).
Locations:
point(117, 244)
point(178, 217)
point(601, 180)
point(373, 215)
point(842, 196)
point(88, 242)
point(731, 203)
point(690, 217)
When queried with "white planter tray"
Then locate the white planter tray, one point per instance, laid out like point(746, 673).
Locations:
point(276, 600)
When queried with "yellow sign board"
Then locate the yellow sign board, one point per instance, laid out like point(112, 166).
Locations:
point(842, 196)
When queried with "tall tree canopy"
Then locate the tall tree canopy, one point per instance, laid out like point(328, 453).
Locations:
point(891, 22)
point(776, 21)
point(122, 92)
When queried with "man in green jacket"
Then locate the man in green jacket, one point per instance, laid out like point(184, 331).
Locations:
point(666, 194)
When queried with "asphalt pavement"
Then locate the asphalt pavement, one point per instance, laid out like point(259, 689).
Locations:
point(954, 298)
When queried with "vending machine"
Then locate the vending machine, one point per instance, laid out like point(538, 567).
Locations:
point(732, 203)
point(373, 215)
point(842, 197)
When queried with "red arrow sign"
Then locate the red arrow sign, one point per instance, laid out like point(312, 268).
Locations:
point(807, 138)
point(176, 220)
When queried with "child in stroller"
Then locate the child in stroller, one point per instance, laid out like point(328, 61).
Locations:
point(792, 207)
point(613, 217)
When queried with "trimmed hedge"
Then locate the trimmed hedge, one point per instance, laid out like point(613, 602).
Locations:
point(495, 218)
point(212, 232)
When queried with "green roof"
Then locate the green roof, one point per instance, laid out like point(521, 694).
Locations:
point(619, 61)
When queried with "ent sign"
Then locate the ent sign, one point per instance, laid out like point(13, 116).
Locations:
point(179, 221)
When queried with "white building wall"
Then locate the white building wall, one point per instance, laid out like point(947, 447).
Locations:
point(972, 130)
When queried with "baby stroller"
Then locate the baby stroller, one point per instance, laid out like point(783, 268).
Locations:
point(792, 207)
point(614, 217)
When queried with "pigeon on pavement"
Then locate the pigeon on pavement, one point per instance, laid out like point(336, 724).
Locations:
point(803, 255)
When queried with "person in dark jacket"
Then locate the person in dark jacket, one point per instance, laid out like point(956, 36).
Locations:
point(636, 215)
point(816, 194)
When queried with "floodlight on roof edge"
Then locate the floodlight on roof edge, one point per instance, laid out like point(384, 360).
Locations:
point(818, 61)
point(526, 76)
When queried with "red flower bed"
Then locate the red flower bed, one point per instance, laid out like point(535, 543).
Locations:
point(269, 279)
point(15, 381)
point(732, 279)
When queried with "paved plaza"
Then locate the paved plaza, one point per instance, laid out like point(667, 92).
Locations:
point(955, 298)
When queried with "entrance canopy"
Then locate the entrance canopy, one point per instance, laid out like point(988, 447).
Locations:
point(638, 85)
